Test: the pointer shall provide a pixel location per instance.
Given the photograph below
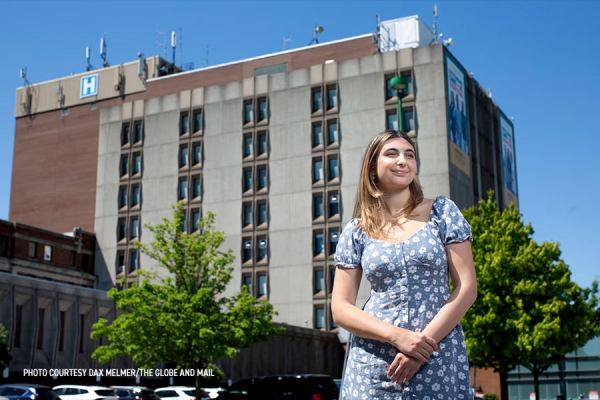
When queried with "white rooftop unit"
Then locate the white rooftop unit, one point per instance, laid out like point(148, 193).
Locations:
point(403, 33)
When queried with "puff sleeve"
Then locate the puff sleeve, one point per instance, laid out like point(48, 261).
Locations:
point(452, 225)
point(348, 252)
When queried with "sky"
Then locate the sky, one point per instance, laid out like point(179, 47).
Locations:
point(540, 59)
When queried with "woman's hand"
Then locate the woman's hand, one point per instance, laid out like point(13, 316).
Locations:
point(403, 368)
point(414, 344)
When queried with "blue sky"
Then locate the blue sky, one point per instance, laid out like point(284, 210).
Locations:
point(541, 60)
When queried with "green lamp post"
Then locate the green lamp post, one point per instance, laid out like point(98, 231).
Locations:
point(399, 83)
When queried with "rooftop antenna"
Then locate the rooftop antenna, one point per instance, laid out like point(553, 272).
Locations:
point(160, 42)
point(435, 37)
point(141, 65)
point(23, 75)
point(103, 46)
point(377, 35)
point(318, 29)
point(286, 40)
point(87, 57)
point(174, 44)
point(28, 94)
point(180, 46)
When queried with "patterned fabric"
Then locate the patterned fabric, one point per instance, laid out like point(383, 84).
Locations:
point(409, 284)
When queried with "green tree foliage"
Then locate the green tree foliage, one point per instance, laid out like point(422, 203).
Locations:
point(184, 319)
point(5, 356)
point(528, 311)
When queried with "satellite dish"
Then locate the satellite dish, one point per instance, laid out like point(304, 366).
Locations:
point(319, 29)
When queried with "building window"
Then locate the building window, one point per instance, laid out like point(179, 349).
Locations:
point(73, 259)
point(332, 97)
point(262, 249)
point(138, 132)
point(40, 335)
point(18, 324)
point(196, 220)
point(317, 170)
point(183, 157)
point(333, 241)
point(183, 189)
point(248, 111)
point(334, 205)
point(319, 283)
point(133, 260)
point(389, 91)
point(319, 317)
point(247, 214)
point(61, 334)
point(333, 168)
point(197, 149)
point(247, 250)
point(125, 135)
point(196, 187)
point(120, 262)
point(123, 197)
point(135, 195)
point(247, 180)
point(3, 246)
point(135, 228)
point(332, 132)
point(121, 230)
point(317, 134)
point(262, 285)
point(392, 120)
point(409, 88)
point(47, 253)
point(409, 122)
point(197, 120)
point(262, 143)
point(262, 213)
point(86, 264)
point(318, 243)
point(248, 148)
point(247, 281)
point(32, 251)
point(317, 100)
point(317, 206)
point(185, 123)
point(184, 222)
point(137, 163)
point(124, 166)
point(262, 109)
point(262, 177)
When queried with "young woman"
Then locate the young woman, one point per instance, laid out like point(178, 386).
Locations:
point(407, 340)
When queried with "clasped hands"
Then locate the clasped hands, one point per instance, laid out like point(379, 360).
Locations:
point(414, 349)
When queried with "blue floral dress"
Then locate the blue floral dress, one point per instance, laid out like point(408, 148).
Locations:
point(409, 284)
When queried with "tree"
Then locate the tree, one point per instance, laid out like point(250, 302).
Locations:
point(528, 310)
point(184, 319)
point(5, 356)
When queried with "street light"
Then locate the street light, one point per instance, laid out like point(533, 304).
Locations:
point(399, 83)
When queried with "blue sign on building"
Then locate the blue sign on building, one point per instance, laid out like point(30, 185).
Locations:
point(89, 86)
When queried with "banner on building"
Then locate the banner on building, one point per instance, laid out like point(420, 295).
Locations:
point(458, 121)
point(509, 165)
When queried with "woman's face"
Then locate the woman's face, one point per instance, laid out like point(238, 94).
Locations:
point(396, 165)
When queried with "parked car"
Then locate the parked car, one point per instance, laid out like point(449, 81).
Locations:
point(28, 392)
point(81, 392)
point(212, 392)
point(134, 393)
point(290, 387)
point(179, 393)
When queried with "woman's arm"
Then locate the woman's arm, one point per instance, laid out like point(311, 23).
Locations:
point(462, 272)
point(361, 324)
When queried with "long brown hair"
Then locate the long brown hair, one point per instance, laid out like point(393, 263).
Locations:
point(369, 198)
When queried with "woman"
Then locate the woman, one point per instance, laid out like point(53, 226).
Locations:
point(407, 340)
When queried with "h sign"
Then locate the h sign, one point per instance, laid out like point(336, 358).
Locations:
point(89, 86)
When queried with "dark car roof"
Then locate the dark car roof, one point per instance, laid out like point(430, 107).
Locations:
point(26, 385)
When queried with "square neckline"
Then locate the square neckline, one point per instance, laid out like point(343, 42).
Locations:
point(416, 232)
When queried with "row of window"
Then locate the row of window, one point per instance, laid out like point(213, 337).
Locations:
point(391, 93)
point(250, 139)
point(254, 250)
point(320, 321)
point(127, 258)
point(392, 119)
point(324, 244)
point(333, 136)
point(138, 134)
point(255, 110)
point(196, 155)
point(131, 225)
point(331, 100)
point(131, 165)
point(255, 179)
point(329, 203)
point(319, 172)
point(256, 283)
point(196, 126)
point(254, 214)
point(190, 188)
point(130, 196)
